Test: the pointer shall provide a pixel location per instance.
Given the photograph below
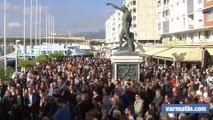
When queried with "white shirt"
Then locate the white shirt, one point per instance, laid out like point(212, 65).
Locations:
point(50, 92)
point(131, 118)
point(30, 98)
point(199, 93)
point(205, 94)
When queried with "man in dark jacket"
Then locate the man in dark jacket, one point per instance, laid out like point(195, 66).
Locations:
point(30, 101)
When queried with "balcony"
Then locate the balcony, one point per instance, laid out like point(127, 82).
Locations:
point(191, 27)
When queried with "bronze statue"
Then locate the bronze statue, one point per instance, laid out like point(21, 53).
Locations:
point(125, 32)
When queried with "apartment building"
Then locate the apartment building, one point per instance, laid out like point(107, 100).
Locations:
point(144, 22)
point(187, 20)
point(113, 26)
point(208, 13)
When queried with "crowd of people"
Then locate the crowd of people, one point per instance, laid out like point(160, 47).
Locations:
point(81, 88)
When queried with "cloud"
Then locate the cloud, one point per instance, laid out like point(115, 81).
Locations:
point(43, 9)
point(10, 7)
point(14, 25)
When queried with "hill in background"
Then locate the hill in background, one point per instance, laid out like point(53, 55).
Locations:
point(93, 35)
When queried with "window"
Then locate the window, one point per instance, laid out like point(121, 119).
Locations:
point(166, 2)
point(166, 13)
point(134, 2)
point(199, 35)
point(159, 26)
point(134, 18)
point(210, 15)
point(207, 34)
point(184, 22)
point(199, 1)
point(159, 3)
point(134, 10)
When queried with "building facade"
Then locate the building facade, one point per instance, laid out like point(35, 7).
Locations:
point(185, 20)
point(208, 13)
point(144, 22)
point(113, 27)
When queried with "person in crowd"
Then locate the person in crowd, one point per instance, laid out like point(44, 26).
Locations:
point(152, 112)
point(78, 110)
point(129, 111)
point(114, 106)
point(63, 112)
point(89, 91)
point(7, 103)
point(138, 106)
point(158, 101)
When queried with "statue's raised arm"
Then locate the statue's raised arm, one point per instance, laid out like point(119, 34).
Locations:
point(126, 24)
point(116, 7)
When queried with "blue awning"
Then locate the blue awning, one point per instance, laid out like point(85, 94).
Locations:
point(207, 9)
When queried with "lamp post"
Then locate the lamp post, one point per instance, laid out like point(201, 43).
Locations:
point(17, 53)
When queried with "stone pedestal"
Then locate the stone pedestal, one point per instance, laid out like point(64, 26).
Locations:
point(126, 67)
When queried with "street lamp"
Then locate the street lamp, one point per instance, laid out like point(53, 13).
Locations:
point(17, 53)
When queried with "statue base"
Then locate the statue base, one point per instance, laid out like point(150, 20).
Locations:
point(126, 65)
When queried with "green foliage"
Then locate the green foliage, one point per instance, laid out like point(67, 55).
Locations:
point(41, 58)
point(69, 52)
point(179, 57)
point(176, 42)
point(25, 63)
point(88, 52)
point(96, 43)
point(55, 55)
point(5, 74)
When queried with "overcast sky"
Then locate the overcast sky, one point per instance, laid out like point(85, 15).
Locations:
point(73, 15)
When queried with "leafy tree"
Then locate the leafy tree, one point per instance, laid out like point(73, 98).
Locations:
point(55, 55)
point(5, 74)
point(88, 52)
point(179, 57)
point(96, 43)
point(25, 63)
point(40, 58)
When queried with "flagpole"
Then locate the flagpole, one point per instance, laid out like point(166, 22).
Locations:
point(5, 22)
point(36, 21)
point(24, 31)
point(31, 18)
point(53, 30)
point(40, 24)
point(40, 28)
point(49, 27)
point(46, 29)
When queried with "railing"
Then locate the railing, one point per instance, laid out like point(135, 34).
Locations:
point(2, 57)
